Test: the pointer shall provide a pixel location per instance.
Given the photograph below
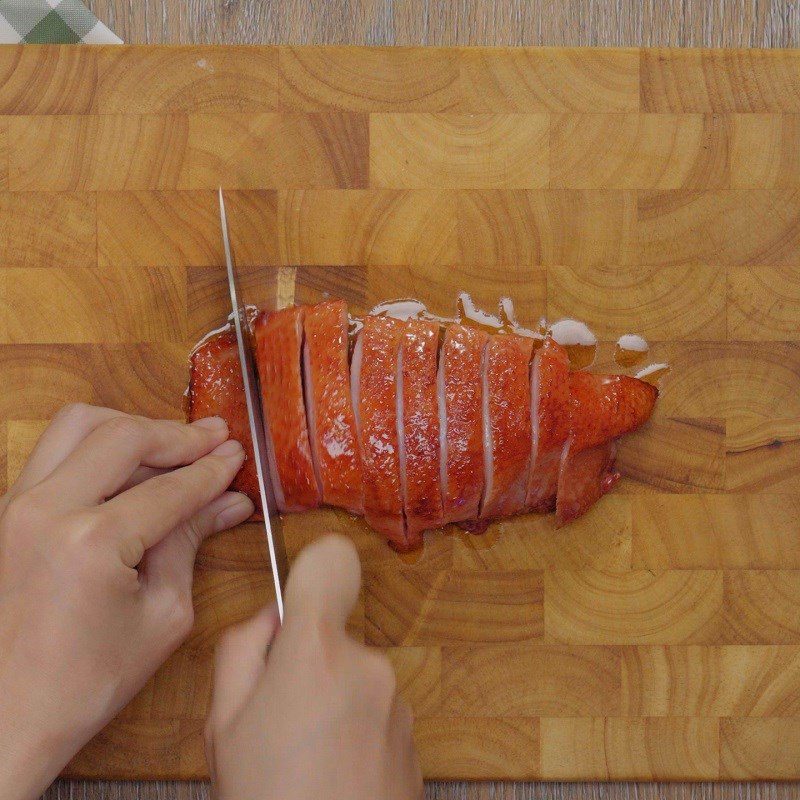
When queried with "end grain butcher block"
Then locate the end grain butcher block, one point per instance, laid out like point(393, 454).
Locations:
point(652, 192)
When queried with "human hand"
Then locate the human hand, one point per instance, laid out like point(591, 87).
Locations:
point(97, 547)
point(306, 711)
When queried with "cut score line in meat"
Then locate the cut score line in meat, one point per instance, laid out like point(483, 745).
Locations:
point(431, 420)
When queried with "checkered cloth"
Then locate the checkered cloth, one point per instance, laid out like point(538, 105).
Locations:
point(51, 22)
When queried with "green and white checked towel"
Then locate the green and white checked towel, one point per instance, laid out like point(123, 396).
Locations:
point(51, 22)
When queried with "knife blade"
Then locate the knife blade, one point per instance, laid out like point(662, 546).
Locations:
point(255, 415)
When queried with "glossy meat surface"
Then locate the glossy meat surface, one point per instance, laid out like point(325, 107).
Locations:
point(216, 390)
point(332, 426)
point(507, 425)
point(377, 412)
point(461, 399)
point(604, 407)
point(418, 424)
point(279, 340)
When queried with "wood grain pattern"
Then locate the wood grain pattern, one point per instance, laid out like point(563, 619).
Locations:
point(761, 607)
point(684, 302)
point(634, 607)
point(657, 463)
point(720, 81)
point(640, 151)
point(47, 230)
point(693, 681)
point(657, 636)
point(47, 79)
point(232, 79)
point(619, 748)
point(466, 747)
point(726, 227)
point(60, 305)
point(552, 80)
point(689, 23)
point(413, 151)
point(762, 454)
point(532, 680)
point(197, 151)
point(757, 531)
point(762, 303)
point(751, 747)
point(764, 150)
point(549, 226)
point(449, 606)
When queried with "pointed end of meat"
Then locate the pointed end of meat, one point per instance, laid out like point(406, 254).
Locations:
point(605, 407)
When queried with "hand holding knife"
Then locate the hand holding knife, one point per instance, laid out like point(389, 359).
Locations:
point(277, 548)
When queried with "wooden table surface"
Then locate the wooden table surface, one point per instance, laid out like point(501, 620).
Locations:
point(740, 23)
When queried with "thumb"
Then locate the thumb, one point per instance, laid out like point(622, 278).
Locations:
point(324, 582)
point(239, 660)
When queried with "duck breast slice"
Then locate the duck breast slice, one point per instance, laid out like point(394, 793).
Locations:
point(506, 424)
point(329, 406)
point(375, 387)
point(216, 389)
point(279, 345)
point(460, 390)
point(418, 426)
point(549, 423)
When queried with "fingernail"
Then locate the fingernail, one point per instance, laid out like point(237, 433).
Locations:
point(228, 449)
point(213, 424)
point(239, 508)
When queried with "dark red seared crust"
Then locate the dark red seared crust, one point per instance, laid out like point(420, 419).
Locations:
point(420, 409)
point(279, 339)
point(216, 390)
point(419, 427)
point(334, 440)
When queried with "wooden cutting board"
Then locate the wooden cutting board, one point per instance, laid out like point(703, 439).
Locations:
point(655, 192)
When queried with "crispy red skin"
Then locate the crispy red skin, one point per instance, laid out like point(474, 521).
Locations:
point(337, 450)
point(604, 407)
point(216, 390)
point(279, 339)
point(593, 410)
point(421, 426)
point(383, 502)
point(552, 364)
point(462, 352)
point(584, 477)
point(508, 382)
